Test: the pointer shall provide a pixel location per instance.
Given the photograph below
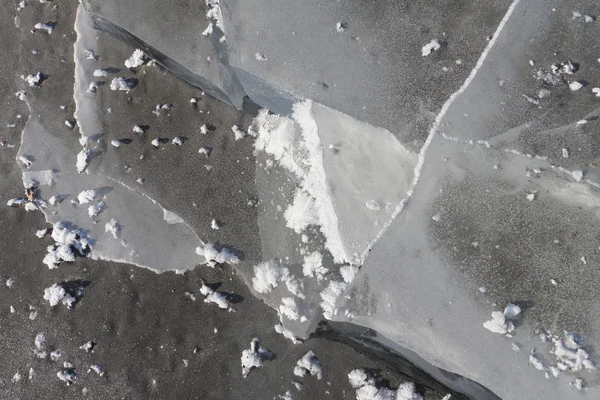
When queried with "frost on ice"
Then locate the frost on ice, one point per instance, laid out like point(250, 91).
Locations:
point(254, 357)
point(329, 297)
point(313, 266)
point(301, 213)
point(309, 364)
point(268, 275)
point(289, 308)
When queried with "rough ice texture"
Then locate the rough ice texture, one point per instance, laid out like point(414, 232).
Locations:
point(268, 275)
point(309, 364)
point(254, 357)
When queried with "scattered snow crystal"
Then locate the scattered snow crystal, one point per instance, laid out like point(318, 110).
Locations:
point(498, 324)
point(138, 58)
point(253, 358)
point(213, 296)
point(213, 257)
point(55, 294)
point(430, 47)
point(49, 27)
point(121, 83)
point(113, 227)
point(575, 86)
point(309, 364)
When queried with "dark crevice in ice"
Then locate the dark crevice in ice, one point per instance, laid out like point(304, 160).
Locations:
point(403, 361)
point(232, 92)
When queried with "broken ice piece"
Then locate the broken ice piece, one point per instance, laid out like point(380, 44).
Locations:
point(565, 152)
point(530, 196)
point(34, 80)
point(214, 224)
point(208, 30)
point(436, 217)
point(575, 86)
point(213, 296)
point(239, 133)
point(260, 57)
point(138, 129)
point(42, 232)
point(83, 160)
point(155, 142)
point(512, 310)
point(10, 282)
point(88, 346)
point(68, 376)
point(596, 90)
point(115, 143)
point(577, 175)
point(48, 27)
point(204, 129)
point(205, 150)
point(430, 47)
point(97, 368)
point(340, 27)
point(178, 140)
point(26, 160)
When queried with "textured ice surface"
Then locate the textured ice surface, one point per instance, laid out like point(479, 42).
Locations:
point(469, 222)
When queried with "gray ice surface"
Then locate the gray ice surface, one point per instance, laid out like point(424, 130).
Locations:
point(470, 223)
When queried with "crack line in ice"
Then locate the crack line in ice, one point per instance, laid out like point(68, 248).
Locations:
point(438, 119)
